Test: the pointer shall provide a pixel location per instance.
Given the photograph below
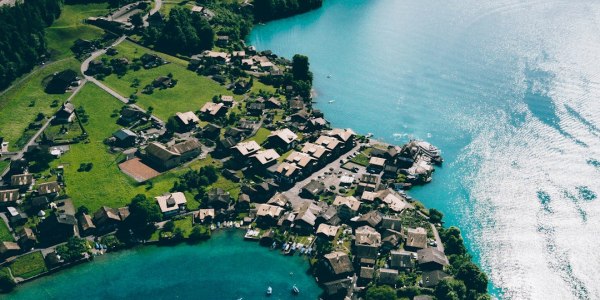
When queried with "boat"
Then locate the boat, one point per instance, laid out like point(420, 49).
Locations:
point(295, 290)
point(269, 291)
point(331, 101)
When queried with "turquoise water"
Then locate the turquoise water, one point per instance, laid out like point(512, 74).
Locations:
point(225, 267)
point(508, 89)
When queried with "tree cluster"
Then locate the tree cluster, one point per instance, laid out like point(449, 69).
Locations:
point(73, 249)
point(196, 180)
point(184, 32)
point(143, 212)
point(266, 10)
point(22, 40)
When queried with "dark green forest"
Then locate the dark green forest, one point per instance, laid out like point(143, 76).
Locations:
point(22, 43)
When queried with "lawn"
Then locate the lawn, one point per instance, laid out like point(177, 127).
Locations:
point(261, 136)
point(28, 265)
point(70, 26)
point(360, 159)
point(4, 164)
point(5, 234)
point(190, 93)
point(26, 99)
point(168, 5)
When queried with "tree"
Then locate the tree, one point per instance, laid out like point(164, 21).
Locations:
point(472, 276)
point(435, 216)
point(381, 293)
point(82, 210)
point(73, 249)
point(300, 68)
point(169, 226)
point(172, 125)
point(453, 242)
point(7, 283)
point(199, 233)
point(137, 20)
point(449, 289)
point(143, 212)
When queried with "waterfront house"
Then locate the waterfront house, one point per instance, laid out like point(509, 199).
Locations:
point(347, 207)
point(57, 228)
point(387, 276)
point(315, 124)
point(86, 225)
point(268, 215)
point(346, 136)
point(9, 197)
point(243, 202)
point(401, 260)
point(336, 265)
point(327, 231)
point(264, 159)
point(296, 104)
point(205, 215)
point(432, 278)
point(282, 139)
point(66, 114)
point(172, 203)
point(212, 110)
point(376, 165)
point(26, 238)
point(300, 118)
point(8, 249)
point(393, 200)
point(49, 189)
point(218, 198)
point(124, 137)
point(168, 157)
point(306, 218)
point(416, 239)
point(187, 120)
point(313, 189)
point(106, 219)
point(22, 181)
point(431, 259)
point(337, 289)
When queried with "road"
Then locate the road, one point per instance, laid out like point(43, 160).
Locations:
point(98, 53)
point(293, 193)
point(438, 240)
point(156, 8)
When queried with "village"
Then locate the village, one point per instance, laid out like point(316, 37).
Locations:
point(256, 157)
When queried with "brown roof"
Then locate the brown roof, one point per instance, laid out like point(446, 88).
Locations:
point(86, 222)
point(287, 169)
point(314, 150)
point(328, 230)
point(184, 147)
point(48, 188)
point(434, 255)
point(349, 201)
point(339, 262)
point(9, 195)
point(212, 108)
point(341, 134)
point(285, 135)
point(21, 179)
point(367, 235)
point(328, 142)
point(247, 148)
point(416, 237)
point(300, 159)
point(264, 210)
point(187, 117)
point(159, 151)
point(266, 156)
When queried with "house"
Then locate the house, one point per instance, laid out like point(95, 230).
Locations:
point(313, 189)
point(123, 212)
point(49, 189)
point(22, 181)
point(222, 41)
point(331, 144)
point(218, 198)
point(347, 207)
point(376, 164)
point(306, 218)
point(236, 133)
point(337, 289)
point(187, 120)
point(318, 152)
point(327, 231)
point(329, 216)
point(220, 57)
point(86, 226)
point(367, 235)
point(368, 197)
point(66, 114)
point(432, 278)
point(267, 215)
point(243, 151)
point(401, 260)
point(279, 199)
point(283, 139)
point(265, 158)
point(124, 137)
point(302, 160)
point(368, 182)
point(255, 108)
point(296, 104)
point(16, 216)
point(273, 103)
point(39, 202)
point(416, 239)
point(172, 203)
point(243, 203)
point(205, 215)
point(163, 82)
point(393, 200)
point(317, 123)
point(57, 228)
point(431, 259)
point(61, 81)
point(8, 197)
point(129, 115)
point(391, 223)
point(300, 117)
point(372, 218)
point(391, 239)
point(260, 192)
point(26, 238)
point(336, 265)
point(9, 249)
point(287, 173)
point(366, 254)
point(366, 275)
point(388, 276)
point(227, 100)
point(106, 219)
point(212, 110)
point(211, 131)
point(346, 136)
point(169, 157)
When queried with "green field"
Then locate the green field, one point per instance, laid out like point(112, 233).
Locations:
point(5, 234)
point(168, 5)
point(19, 99)
point(190, 93)
point(261, 136)
point(70, 26)
point(28, 265)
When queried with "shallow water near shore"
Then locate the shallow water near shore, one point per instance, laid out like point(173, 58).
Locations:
point(507, 89)
point(224, 267)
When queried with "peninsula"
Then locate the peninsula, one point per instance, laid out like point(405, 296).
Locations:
point(154, 123)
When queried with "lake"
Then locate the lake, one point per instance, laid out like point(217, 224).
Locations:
point(224, 267)
point(508, 89)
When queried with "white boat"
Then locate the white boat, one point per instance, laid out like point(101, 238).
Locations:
point(331, 101)
point(295, 289)
point(269, 291)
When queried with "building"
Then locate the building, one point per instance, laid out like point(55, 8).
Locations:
point(244, 150)
point(372, 218)
point(388, 276)
point(347, 207)
point(302, 160)
point(313, 189)
point(106, 219)
point(337, 289)
point(9, 197)
point(367, 235)
point(49, 189)
point(368, 182)
point(337, 265)
point(287, 173)
point(168, 157)
point(393, 200)
point(227, 100)
point(26, 238)
point(327, 231)
point(401, 260)
point(391, 223)
point(218, 198)
point(432, 278)
point(431, 259)
point(282, 139)
point(187, 120)
point(268, 215)
point(172, 204)
point(86, 225)
point(376, 165)
point(331, 144)
point(306, 218)
point(265, 158)
point(346, 136)
point(205, 215)
point(279, 199)
point(124, 137)
point(22, 181)
point(212, 110)
point(57, 228)
point(39, 202)
point(9, 249)
point(318, 152)
point(255, 108)
point(66, 114)
point(416, 239)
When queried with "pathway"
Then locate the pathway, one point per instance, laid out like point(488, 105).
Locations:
point(438, 240)
point(156, 8)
